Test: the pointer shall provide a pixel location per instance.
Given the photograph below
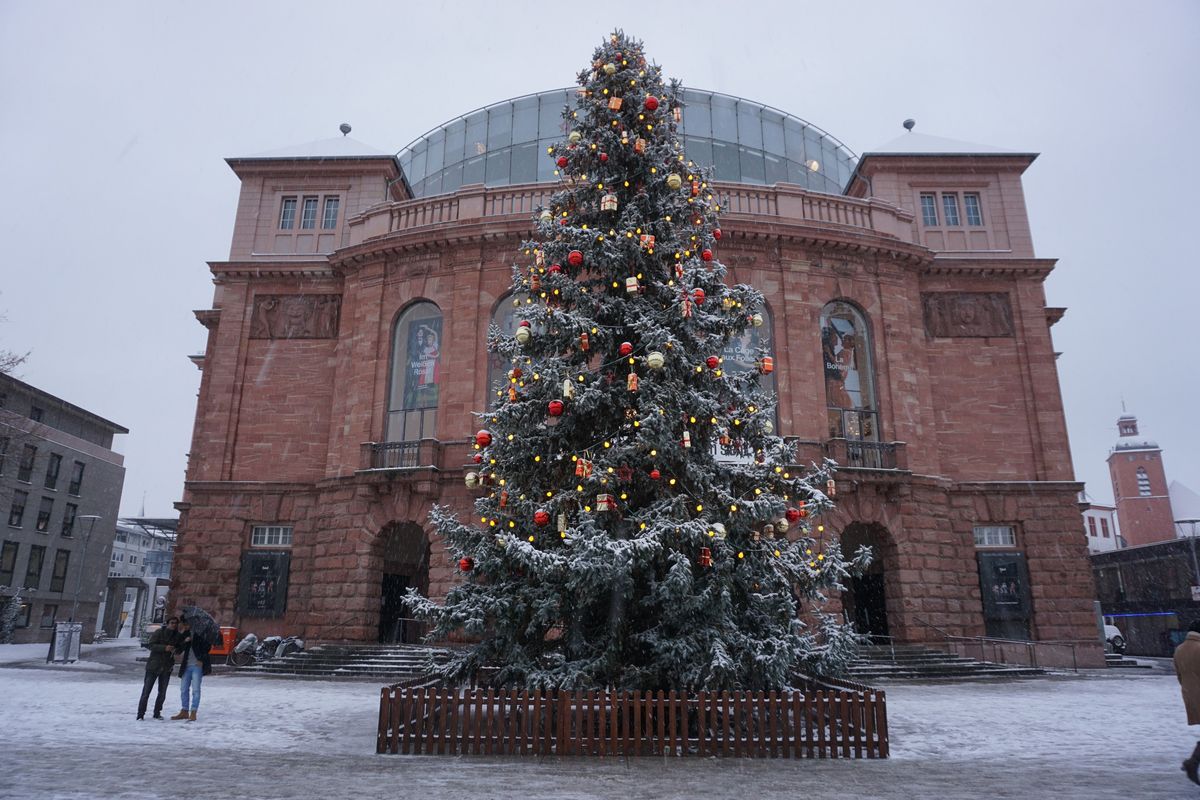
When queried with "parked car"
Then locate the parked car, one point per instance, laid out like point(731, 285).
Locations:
point(1114, 638)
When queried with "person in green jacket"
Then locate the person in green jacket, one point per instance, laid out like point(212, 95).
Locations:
point(162, 645)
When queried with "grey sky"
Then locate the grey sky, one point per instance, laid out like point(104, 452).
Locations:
point(115, 119)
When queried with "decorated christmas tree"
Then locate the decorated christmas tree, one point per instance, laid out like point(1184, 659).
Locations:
point(640, 524)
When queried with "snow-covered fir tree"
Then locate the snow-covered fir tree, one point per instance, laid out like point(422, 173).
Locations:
point(640, 526)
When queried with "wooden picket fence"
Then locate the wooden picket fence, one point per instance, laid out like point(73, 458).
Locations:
point(831, 722)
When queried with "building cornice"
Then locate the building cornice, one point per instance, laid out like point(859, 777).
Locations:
point(318, 267)
point(1037, 268)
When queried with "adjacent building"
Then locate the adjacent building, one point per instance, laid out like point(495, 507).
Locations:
point(1100, 526)
point(1139, 482)
point(905, 310)
point(139, 575)
point(60, 487)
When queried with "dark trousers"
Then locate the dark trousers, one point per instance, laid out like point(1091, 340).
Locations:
point(163, 679)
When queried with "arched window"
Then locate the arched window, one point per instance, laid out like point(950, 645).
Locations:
point(741, 354)
point(505, 318)
point(1143, 482)
point(416, 357)
point(849, 373)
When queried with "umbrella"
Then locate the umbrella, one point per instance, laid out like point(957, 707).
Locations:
point(203, 624)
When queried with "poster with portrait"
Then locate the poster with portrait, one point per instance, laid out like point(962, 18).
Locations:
point(841, 359)
point(421, 363)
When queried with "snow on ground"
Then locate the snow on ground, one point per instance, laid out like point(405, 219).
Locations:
point(68, 731)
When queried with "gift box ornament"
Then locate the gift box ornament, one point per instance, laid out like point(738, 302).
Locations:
point(606, 502)
point(608, 202)
point(647, 241)
point(639, 145)
point(583, 468)
point(766, 365)
point(705, 557)
point(614, 103)
point(631, 382)
point(632, 286)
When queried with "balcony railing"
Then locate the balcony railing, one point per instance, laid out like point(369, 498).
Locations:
point(785, 203)
point(420, 454)
point(850, 453)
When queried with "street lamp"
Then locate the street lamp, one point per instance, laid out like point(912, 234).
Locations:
point(91, 518)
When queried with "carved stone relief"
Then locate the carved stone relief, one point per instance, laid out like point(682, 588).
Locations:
point(295, 316)
point(967, 314)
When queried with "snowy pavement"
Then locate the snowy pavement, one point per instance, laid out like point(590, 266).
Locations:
point(68, 731)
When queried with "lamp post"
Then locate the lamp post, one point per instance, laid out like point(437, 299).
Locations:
point(91, 518)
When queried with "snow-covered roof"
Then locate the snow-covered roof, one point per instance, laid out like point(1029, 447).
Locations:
point(1136, 444)
point(336, 147)
point(925, 145)
point(1185, 504)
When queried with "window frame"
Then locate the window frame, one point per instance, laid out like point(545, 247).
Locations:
point(1009, 543)
point(26, 463)
point(287, 212)
point(973, 209)
point(52, 609)
point(38, 550)
point(70, 511)
point(9, 551)
point(405, 409)
point(45, 511)
point(929, 210)
point(272, 535)
point(62, 558)
point(17, 511)
point(328, 202)
point(1143, 483)
point(53, 469)
point(76, 484)
point(309, 222)
point(950, 210)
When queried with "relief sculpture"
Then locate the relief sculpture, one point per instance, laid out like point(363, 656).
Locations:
point(967, 314)
point(295, 316)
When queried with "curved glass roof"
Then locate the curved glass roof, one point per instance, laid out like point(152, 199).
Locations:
point(505, 143)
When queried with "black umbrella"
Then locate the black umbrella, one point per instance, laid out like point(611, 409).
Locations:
point(203, 624)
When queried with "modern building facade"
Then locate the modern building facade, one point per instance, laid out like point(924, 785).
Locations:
point(1139, 482)
point(1151, 592)
point(139, 575)
point(346, 355)
point(60, 487)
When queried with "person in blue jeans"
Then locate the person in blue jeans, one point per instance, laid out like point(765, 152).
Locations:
point(192, 669)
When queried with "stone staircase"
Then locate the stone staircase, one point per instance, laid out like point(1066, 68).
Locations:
point(919, 663)
point(392, 663)
point(1118, 661)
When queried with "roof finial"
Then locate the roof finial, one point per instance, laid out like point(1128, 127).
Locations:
point(909, 124)
point(344, 128)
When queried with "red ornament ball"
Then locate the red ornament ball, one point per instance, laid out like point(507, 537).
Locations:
point(706, 255)
point(717, 234)
point(483, 438)
point(541, 518)
point(562, 162)
point(555, 269)
point(604, 158)
point(524, 324)
point(625, 349)
point(712, 362)
point(575, 258)
point(698, 296)
point(651, 103)
point(555, 408)
point(655, 474)
point(477, 458)
point(466, 564)
point(792, 514)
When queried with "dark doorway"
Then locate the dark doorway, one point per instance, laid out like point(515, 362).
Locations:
point(1004, 587)
point(865, 599)
point(402, 550)
point(391, 608)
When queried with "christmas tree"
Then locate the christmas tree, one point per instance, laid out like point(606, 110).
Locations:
point(640, 526)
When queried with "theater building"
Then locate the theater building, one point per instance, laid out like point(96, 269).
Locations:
point(347, 351)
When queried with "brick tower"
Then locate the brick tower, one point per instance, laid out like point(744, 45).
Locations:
point(1140, 486)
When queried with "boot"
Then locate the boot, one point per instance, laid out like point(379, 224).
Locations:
point(1191, 765)
point(192, 717)
point(183, 714)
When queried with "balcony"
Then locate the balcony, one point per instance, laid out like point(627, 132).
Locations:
point(414, 455)
point(883, 460)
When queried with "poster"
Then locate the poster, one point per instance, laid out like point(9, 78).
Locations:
point(840, 345)
point(264, 579)
point(421, 363)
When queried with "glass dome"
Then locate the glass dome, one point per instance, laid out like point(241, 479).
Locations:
point(505, 143)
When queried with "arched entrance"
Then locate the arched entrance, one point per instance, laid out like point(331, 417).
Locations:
point(865, 599)
point(403, 553)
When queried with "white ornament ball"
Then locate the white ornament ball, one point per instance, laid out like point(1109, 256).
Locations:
point(655, 360)
point(523, 335)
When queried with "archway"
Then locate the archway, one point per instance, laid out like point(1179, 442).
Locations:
point(402, 550)
point(865, 599)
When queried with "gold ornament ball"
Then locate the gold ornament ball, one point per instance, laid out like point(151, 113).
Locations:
point(674, 182)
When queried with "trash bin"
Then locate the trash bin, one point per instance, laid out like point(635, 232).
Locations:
point(227, 643)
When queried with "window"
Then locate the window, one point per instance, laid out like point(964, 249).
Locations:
point(308, 215)
point(1104, 527)
point(122, 536)
point(995, 536)
point(972, 207)
point(330, 217)
point(413, 394)
point(49, 612)
point(849, 374)
point(287, 214)
point(8, 563)
point(58, 578)
point(950, 208)
point(76, 479)
point(271, 536)
point(25, 466)
point(1143, 482)
point(1091, 526)
point(132, 558)
point(3, 452)
point(33, 570)
point(52, 470)
point(23, 615)
point(44, 511)
point(35, 413)
point(929, 215)
point(17, 512)
point(68, 523)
